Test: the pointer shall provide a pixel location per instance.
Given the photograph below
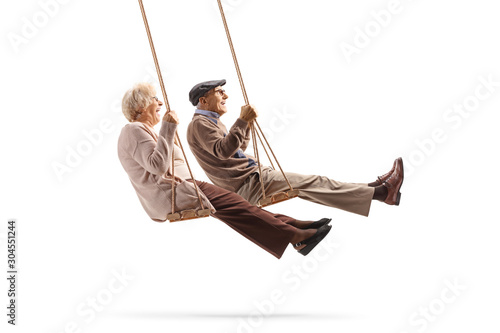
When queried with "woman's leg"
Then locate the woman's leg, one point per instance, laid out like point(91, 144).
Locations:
point(296, 223)
point(272, 232)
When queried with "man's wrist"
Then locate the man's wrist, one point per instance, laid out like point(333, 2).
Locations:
point(242, 119)
point(242, 123)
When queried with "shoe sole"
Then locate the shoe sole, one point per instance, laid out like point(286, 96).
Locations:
point(398, 198)
point(403, 174)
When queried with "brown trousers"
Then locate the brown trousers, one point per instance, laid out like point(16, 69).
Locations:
point(272, 232)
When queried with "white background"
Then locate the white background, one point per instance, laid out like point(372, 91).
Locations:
point(345, 120)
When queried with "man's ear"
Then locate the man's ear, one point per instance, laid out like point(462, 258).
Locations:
point(202, 100)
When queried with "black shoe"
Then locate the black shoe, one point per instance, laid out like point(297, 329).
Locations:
point(314, 240)
point(318, 224)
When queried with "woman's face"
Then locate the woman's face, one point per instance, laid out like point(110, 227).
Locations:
point(152, 112)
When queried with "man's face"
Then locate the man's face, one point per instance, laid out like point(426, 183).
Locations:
point(215, 100)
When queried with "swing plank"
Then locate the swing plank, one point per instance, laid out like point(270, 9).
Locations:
point(188, 215)
point(278, 197)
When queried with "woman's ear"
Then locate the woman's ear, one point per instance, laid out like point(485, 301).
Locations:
point(139, 113)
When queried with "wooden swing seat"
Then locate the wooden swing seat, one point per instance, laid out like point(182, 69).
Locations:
point(278, 197)
point(188, 215)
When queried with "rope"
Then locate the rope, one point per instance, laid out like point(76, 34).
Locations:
point(264, 146)
point(160, 78)
point(245, 97)
point(289, 185)
point(173, 184)
point(243, 90)
point(190, 172)
point(256, 152)
point(167, 106)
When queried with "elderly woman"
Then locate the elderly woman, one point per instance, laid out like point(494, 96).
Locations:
point(146, 157)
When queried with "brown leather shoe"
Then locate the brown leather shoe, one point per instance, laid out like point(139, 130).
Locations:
point(393, 184)
point(381, 179)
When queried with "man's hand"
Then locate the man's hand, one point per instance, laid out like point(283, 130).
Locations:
point(248, 113)
point(171, 117)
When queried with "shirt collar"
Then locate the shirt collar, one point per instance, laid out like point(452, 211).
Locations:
point(208, 113)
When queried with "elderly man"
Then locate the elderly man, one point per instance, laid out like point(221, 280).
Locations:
point(221, 155)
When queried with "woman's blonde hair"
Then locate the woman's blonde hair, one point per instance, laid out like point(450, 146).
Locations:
point(137, 98)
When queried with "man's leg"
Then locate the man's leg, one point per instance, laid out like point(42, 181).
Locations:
point(354, 198)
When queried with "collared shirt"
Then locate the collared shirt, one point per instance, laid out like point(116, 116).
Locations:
point(210, 114)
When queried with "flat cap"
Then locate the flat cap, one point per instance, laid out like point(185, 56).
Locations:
point(202, 88)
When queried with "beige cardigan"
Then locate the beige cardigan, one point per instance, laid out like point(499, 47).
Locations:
point(147, 157)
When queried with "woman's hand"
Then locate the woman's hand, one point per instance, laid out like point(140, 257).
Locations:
point(171, 117)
